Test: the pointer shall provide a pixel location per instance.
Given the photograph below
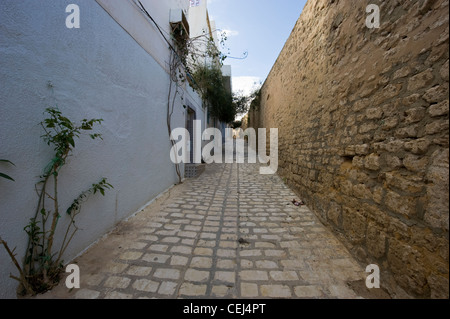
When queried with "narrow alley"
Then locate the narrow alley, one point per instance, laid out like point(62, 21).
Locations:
point(230, 233)
point(106, 105)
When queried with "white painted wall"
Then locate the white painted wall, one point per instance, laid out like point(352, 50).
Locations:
point(102, 70)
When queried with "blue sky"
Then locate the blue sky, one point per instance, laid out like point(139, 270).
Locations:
point(259, 27)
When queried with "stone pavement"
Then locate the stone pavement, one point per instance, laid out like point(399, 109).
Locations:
point(230, 233)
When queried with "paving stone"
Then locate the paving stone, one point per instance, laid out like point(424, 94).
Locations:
point(201, 262)
point(290, 244)
point(275, 291)
point(249, 290)
point(131, 255)
point(250, 275)
point(167, 288)
point(283, 275)
point(208, 235)
point(87, 294)
point(308, 291)
point(137, 245)
point(179, 261)
point(228, 237)
point(166, 232)
point(226, 253)
point(181, 249)
point(188, 242)
point(226, 276)
point(93, 280)
point(220, 291)
point(190, 289)
point(139, 271)
point(341, 291)
point(192, 228)
point(211, 230)
point(266, 264)
point(117, 295)
point(117, 282)
point(265, 245)
point(196, 275)
point(250, 253)
point(204, 243)
point(189, 234)
point(293, 264)
point(171, 240)
point(246, 263)
point(156, 258)
point(226, 264)
point(275, 253)
point(146, 285)
point(150, 238)
point(115, 268)
point(161, 248)
point(167, 273)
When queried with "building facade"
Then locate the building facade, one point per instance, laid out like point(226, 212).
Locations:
point(115, 66)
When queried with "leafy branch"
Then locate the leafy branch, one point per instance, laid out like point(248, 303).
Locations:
point(210, 83)
point(4, 175)
point(75, 209)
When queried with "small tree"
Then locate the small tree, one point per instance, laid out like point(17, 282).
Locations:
point(210, 83)
point(42, 266)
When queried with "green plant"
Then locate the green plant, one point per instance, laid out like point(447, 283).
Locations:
point(255, 98)
point(4, 175)
point(42, 266)
point(210, 83)
point(236, 124)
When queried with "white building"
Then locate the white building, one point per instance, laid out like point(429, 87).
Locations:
point(201, 25)
point(114, 67)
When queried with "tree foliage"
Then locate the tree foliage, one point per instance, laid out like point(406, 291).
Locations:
point(3, 175)
point(210, 83)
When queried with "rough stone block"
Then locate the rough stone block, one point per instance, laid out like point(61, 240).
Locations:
point(437, 127)
point(418, 146)
point(410, 184)
point(420, 80)
point(437, 210)
point(376, 240)
point(334, 213)
point(414, 115)
point(374, 113)
point(415, 163)
point(407, 265)
point(436, 93)
point(404, 205)
point(372, 162)
point(444, 71)
point(354, 225)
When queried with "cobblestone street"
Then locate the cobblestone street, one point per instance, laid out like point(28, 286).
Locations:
point(230, 233)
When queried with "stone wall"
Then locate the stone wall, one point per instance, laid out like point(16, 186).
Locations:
point(363, 128)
